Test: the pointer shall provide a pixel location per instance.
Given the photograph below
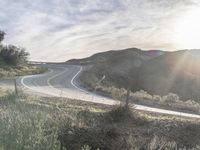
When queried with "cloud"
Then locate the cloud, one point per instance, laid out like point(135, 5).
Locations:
point(57, 30)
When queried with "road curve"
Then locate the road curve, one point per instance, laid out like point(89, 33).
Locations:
point(60, 81)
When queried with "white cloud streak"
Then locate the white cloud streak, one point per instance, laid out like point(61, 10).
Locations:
point(58, 30)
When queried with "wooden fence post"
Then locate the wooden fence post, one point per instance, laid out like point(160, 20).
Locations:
point(16, 90)
point(127, 97)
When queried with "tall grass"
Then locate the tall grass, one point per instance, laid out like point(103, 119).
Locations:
point(26, 127)
point(28, 123)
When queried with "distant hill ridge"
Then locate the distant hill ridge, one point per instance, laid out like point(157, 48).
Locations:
point(117, 54)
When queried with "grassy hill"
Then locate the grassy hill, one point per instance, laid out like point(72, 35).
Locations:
point(114, 55)
point(156, 72)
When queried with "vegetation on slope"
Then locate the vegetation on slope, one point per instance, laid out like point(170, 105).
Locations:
point(45, 123)
point(119, 55)
point(156, 72)
point(170, 101)
point(32, 123)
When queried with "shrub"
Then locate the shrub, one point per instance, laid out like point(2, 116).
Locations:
point(11, 54)
point(102, 137)
point(120, 114)
point(157, 98)
point(171, 98)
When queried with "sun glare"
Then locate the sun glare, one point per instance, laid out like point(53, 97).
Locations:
point(187, 30)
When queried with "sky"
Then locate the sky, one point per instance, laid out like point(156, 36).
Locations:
point(58, 30)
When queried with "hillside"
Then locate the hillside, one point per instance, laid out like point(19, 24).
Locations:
point(115, 64)
point(176, 72)
point(114, 55)
point(156, 72)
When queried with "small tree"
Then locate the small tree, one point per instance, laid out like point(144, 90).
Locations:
point(2, 34)
point(11, 54)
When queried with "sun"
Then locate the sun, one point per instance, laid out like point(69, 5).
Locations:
point(187, 30)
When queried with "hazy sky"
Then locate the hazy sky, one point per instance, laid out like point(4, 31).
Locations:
point(57, 30)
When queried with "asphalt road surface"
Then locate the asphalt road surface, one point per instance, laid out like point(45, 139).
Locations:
point(61, 81)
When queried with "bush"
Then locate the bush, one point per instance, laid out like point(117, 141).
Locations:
point(120, 114)
point(102, 137)
point(171, 98)
point(11, 54)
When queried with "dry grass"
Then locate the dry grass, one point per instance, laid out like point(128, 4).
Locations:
point(123, 129)
point(2, 92)
point(9, 72)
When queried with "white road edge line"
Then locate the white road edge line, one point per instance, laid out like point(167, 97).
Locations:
point(164, 111)
point(74, 77)
point(28, 87)
point(33, 89)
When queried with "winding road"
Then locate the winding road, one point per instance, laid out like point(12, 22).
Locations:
point(60, 81)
